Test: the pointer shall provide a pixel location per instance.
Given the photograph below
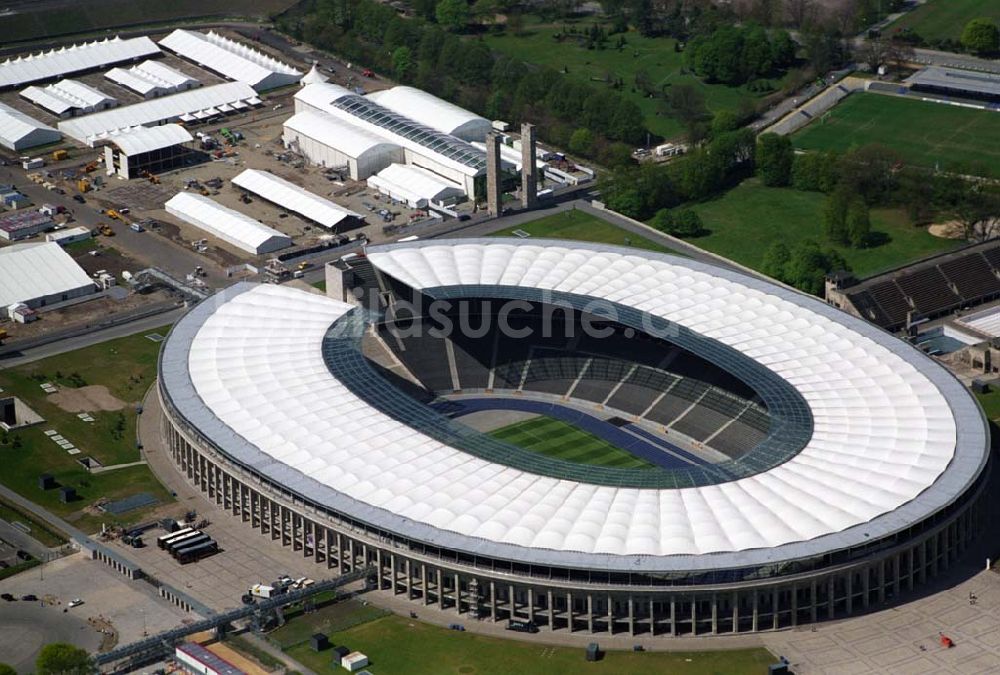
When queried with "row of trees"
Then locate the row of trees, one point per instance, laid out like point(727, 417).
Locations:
point(737, 55)
point(422, 53)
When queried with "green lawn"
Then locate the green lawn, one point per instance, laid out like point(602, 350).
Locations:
point(990, 403)
point(745, 221)
point(923, 133)
point(656, 56)
point(555, 438)
point(39, 531)
point(398, 645)
point(127, 367)
point(333, 618)
point(941, 19)
point(582, 226)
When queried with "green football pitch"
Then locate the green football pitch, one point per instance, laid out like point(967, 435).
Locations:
point(923, 133)
point(555, 438)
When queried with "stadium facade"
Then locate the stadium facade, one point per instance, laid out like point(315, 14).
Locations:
point(862, 483)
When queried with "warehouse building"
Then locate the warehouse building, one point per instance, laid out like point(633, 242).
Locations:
point(331, 142)
point(424, 146)
point(230, 226)
point(81, 58)
point(231, 59)
point(152, 149)
point(23, 224)
point(19, 131)
point(298, 200)
point(68, 98)
point(152, 79)
point(197, 660)
point(434, 112)
point(40, 274)
point(70, 236)
point(195, 105)
point(417, 187)
point(955, 82)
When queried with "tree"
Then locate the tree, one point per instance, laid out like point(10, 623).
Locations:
point(402, 63)
point(7, 669)
point(835, 218)
point(800, 12)
point(858, 224)
point(783, 49)
point(60, 658)
point(981, 36)
point(664, 221)
point(687, 224)
point(452, 14)
point(971, 202)
point(485, 11)
point(776, 260)
point(775, 156)
point(688, 105)
point(582, 142)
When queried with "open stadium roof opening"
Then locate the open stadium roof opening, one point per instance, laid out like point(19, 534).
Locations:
point(894, 438)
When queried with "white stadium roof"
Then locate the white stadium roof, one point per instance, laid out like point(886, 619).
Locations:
point(231, 59)
point(231, 226)
point(19, 131)
point(292, 197)
point(434, 112)
point(151, 76)
point(347, 138)
point(73, 59)
point(414, 185)
point(93, 128)
point(895, 437)
point(138, 140)
point(29, 271)
point(65, 95)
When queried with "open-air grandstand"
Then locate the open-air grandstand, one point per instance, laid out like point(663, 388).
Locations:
point(928, 289)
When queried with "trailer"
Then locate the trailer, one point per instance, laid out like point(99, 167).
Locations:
point(181, 542)
point(163, 540)
point(193, 553)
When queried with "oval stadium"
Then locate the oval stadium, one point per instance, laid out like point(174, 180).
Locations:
point(582, 437)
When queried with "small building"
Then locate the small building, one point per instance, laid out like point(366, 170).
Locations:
point(197, 660)
point(13, 200)
point(21, 283)
point(230, 226)
point(46, 481)
point(24, 224)
point(69, 98)
point(67, 494)
point(956, 82)
point(319, 642)
point(354, 662)
point(19, 131)
point(69, 236)
point(152, 149)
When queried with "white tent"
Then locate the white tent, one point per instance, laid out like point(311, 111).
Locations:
point(330, 141)
point(151, 79)
point(64, 61)
point(314, 76)
point(231, 59)
point(69, 97)
point(40, 274)
point(415, 186)
point(434, 112)
point(228, 225)
point(19, 131)
point(298, 200)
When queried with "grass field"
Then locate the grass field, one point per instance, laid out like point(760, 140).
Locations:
point(923, 133)
point(40, 532)
point(745, 221)
point(398, 645)
point(87, 17)
point(941, 19)
point(582, 226)
point(990, 403)
point(555, 438)
point(655, 56)
point(127, 367)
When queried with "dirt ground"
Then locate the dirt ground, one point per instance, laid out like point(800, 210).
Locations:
point(86, 399)
point(948, 230)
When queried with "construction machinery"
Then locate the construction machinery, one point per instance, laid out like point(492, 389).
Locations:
point(83, 185)
point(3, 335)
point(106, 230)
point(59, 155)
point(150, 177)
point(90, 167)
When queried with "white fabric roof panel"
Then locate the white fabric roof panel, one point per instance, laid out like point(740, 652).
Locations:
point(231, 59)
point(339, 134)
point(98, 126)
point(231, 226)
point(138, 140)
point(292, 197)
point(29, 271)
point(434, 112)
point(413, 180)
point(884, 432)
point(19, 131)
point(73, 59)
point(150, 76)
point(66, 95)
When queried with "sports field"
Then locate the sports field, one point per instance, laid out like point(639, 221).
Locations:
point(744, 222)
point(555, 438)
point(398, 645)
point(923, 133)
point(941, 19)
point(582, 226)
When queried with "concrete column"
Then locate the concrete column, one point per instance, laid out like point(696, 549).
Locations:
point(493, 601)
point(775, 616)
point(494, 189)
point(590, 613)
point(439, 575)
point(392, 573)
point(531, 604)
point(423, 583)
point(895, 576)
point(611, 616)
point(529, 167)
point(866, 587)
point(881, 581)
point(652, 618)
point(715, 614)
point(569, 612)
point(910, 562)
point(511, 602)
point(831, 596)
point(409, 579)
point(350, 553)
point(631, 616)
point(850, 593)
point(378, 566)
point(552, 609)
point(795, 606)
point(694, 615)
point(673, 615)
point(458, 595)
point(756, 612)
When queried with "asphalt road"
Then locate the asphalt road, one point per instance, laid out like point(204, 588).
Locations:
point(28, 626)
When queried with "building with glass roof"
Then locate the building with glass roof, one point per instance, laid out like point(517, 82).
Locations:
point(855, 475)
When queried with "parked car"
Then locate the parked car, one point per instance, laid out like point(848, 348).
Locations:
point(75, 602)
point(79, 199)
point(30, 597)
point(8, 597)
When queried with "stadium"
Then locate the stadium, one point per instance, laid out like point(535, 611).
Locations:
point(779, 462)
